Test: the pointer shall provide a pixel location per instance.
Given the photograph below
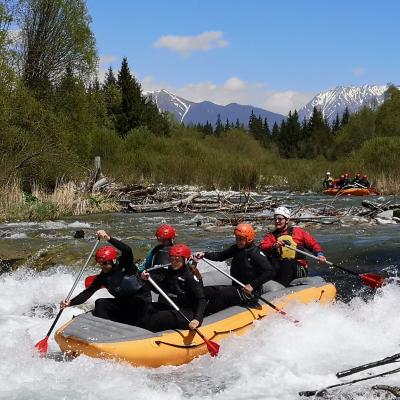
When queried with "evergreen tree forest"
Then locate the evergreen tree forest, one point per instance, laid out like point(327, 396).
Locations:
point(56, 116)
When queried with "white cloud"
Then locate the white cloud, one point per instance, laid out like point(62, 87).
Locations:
point(234, 84)
point(358, 71)
point(187, 44)
point(284, 101)
point(235, 90)
point(107, 59)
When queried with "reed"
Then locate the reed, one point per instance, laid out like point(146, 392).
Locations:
point(387, 184)
point(66, 199)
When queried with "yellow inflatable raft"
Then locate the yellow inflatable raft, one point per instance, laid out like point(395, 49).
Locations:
point(95, 337)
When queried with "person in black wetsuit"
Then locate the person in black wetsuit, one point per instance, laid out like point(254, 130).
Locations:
point(249, 265)
point(132, 297)
point(165, 235)
point(183, 288)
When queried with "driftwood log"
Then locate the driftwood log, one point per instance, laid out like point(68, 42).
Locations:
point(169, 205)
point(373, 208)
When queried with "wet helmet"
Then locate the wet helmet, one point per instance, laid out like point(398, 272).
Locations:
point(180, 250)
point(165, 232)
point(282, 211)
point(245, 230)
point(105, 253)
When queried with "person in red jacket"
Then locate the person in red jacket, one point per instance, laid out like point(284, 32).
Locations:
point(290, 264)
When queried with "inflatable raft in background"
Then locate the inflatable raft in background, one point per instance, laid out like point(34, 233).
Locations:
point(100, 338)
point(351, 192)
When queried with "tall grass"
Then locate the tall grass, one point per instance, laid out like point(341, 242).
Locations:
point(65, 199)
point(233, 160)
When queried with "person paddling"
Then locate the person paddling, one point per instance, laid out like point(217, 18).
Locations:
point(249, 265)
point(290, 265)
point(183, 287)
point(119, 275)
point(158, 255)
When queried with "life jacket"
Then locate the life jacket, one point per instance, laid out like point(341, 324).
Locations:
point(286, 253)
point(177, 289)
point(119, 284)
point(160, 255)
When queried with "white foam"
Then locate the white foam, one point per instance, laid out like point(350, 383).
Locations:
point(273, 361)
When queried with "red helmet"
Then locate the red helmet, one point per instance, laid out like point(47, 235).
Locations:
point(106, 253)
point(245, 230)
point(346, 175)
point(165, 232)
point(180, 250)
point(365, 176)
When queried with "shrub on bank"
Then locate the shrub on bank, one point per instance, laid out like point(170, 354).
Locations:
point(66, 199)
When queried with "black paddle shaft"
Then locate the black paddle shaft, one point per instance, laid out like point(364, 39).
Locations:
point(73, 287)
point(309, 393)
point(386, 360)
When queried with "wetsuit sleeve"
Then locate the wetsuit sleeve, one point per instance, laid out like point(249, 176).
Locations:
point(310, 242)
point(262, 266)
point(221, 255)
point(85, 295)
point(126, 257)
point(146, 264)
point(197, 291)
point(268, 242)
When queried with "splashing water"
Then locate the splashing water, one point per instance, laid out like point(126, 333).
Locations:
point(273, 361)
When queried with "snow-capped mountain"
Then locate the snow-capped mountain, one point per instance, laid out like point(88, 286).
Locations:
point(189, 112)
point(336, 100)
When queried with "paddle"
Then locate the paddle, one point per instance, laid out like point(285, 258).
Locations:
point(386, 360)
point(213, 348)
point(256, 295)
point(309, 393)
point(42, 345)
point(371, 280)
point(89, 279)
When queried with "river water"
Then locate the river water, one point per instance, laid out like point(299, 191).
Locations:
point(273, 361)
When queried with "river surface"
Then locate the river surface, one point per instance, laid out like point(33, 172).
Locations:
point(275, 360)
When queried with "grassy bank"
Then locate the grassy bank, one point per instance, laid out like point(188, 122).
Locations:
point(66, 199)
point(232, 160)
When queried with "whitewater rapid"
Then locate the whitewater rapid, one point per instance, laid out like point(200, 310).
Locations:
point(275, 360)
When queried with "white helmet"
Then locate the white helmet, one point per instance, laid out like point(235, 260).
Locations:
point(282, 211)
point(328, 173)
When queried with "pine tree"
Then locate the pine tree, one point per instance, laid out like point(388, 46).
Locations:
point(131, 107)
point(237, 124)
point(227, 126)
point(336, 124)
point(275, 133)
point(320, 137)
point(208, 128)
point(345, 117)
point(109, 78)
point(290, 136)
point(219, 128)
point(266, 128)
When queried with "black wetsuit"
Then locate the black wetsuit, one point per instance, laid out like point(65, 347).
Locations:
point(132, 297)
point(249, 266)
point(186, 291)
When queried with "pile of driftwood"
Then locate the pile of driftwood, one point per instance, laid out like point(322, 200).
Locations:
point(202, 202)
point(380, 210)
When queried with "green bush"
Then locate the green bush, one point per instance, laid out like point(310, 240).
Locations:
point(381, 154)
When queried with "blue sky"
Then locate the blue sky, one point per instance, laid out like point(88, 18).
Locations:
point(272, 54)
